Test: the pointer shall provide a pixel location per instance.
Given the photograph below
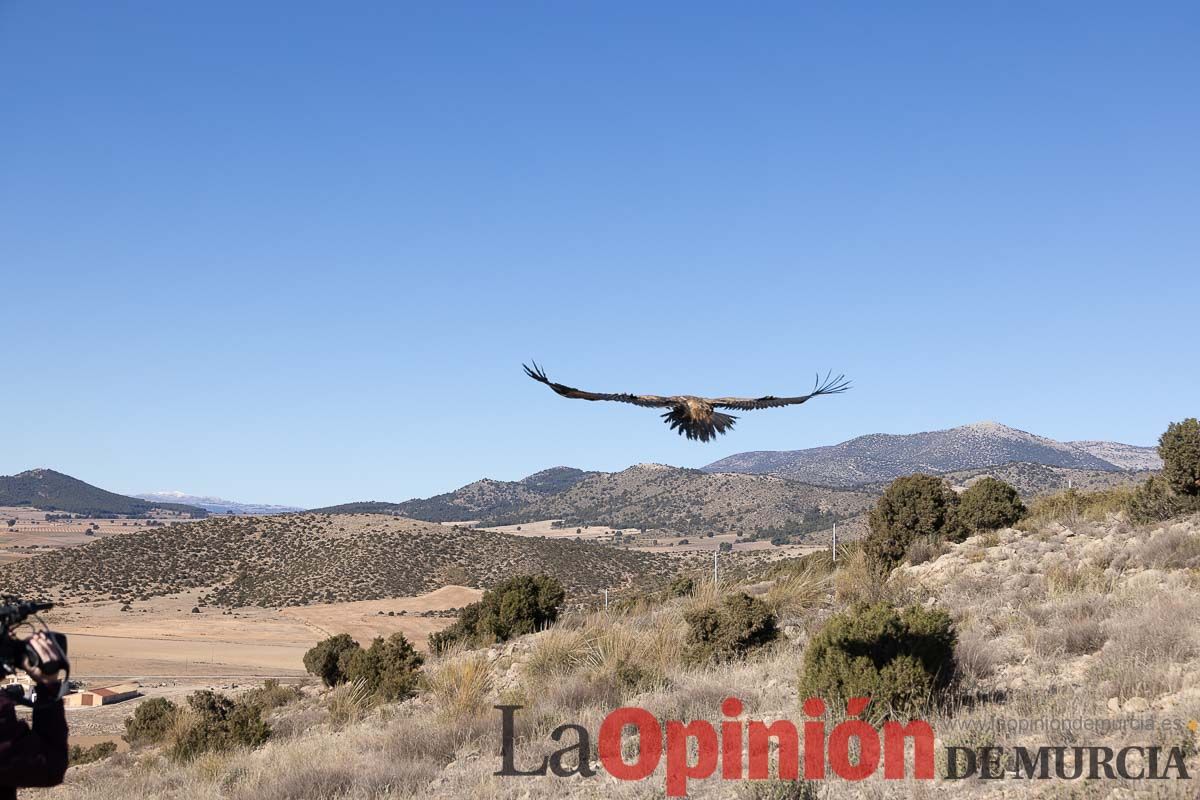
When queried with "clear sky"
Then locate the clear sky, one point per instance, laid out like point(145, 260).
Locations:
point(296, 252)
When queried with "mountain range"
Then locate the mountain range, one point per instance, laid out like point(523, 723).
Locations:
point(482, 498)
point(882, 457)
point(764, 493)
point(772, 493)
point(48, 490)
point(216, 505)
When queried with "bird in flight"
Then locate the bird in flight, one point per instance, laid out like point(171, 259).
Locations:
point(696, 417)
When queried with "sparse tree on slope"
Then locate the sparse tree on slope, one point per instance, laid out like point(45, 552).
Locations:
point(989, 504)
point(1179, 448)
point(913, 506)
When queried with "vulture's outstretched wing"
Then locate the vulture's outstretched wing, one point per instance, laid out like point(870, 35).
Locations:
point(649, 400)
point(820, 387)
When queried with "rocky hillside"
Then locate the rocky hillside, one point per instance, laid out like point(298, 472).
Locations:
point(1078, 606)
point(483, 498)
point(658, 497)
point(1035, 479)
point(1122, 456)
point(53, 491)
point(317, 558)
point(882, 457)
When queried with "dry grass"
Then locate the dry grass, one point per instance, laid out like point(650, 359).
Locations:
point(798, 592)
point(461, 686)
point(925, 548)
point(1148, 647)
point(1171, 548)
point(1068, 579)
point(350, 702)
point(1068, 626)
point(977, 656)
point(1073, 507)
point(637, 651)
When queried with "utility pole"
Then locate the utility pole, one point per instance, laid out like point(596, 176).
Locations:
point(835, 542)
point(606, 599)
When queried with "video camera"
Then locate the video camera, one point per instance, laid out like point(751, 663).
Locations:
point(16, 652)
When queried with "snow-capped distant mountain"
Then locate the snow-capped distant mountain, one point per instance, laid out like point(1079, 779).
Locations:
point(215, 505)
point(882, 457)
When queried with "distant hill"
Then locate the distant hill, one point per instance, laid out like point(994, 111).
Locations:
point(483, 498)
point(658, 497)
point(1034, 479)
point(215, 505)
point(882, 457)
point(299, 559)
point(54, 491)
point(771, 492)
point(1122, 456)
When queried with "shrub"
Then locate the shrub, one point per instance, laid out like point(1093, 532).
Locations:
point(989, 504)
point(1179, 448)
point(325, 659)
point(1154, 501)
point(729, 630)
point(271, 695)
point(900, 660)
point(216, 723)
point(518, 606)
point(151, 721)
point(85, 755)
point(682, 586)
point(390, 667)
point(911, 507)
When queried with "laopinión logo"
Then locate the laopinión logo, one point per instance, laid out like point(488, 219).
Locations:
point(739, 749)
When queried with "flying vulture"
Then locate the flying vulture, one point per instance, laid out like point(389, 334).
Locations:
point(694, 417)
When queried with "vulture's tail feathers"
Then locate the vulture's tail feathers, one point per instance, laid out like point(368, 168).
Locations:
point(705, 430)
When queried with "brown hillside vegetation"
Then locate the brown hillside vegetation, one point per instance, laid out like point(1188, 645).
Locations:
point(659, 497)
point(1034, 479)
point(1053, 623)
point(302, 559)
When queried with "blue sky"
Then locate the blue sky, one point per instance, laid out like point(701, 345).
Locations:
point(296, 253)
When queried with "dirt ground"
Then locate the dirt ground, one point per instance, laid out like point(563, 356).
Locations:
point(31, 533)
point(163, 637)
point(172, 652)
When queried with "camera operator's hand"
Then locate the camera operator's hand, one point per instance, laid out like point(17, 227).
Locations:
point(50, 659)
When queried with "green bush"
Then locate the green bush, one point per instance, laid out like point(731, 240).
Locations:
point(151, 721)
point(911, 507)
point(901, 661)
point(218, 723)
point(729, 630)
point(325, 658)
point(1154, 501)
point(77, 755)
point(518, 606)
point(989, 504)
point(390, 668)
point(1179, 448)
